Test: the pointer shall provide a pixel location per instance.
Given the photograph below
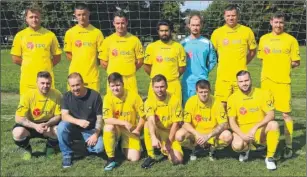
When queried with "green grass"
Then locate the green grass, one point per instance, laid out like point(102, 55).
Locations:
point(226, 165)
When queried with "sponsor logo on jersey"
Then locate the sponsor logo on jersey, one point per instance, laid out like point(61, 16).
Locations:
point(198, 118)
point(267, 50)
point(30, 45)
point(114, 52)
point(78, 43)
point(236, 41)
point(225, 41)
point(276, 51)
point(159, 59)
point(36, 112)
point(253, 109)
point(242, 111)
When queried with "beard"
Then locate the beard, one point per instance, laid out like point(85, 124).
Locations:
point(165, 38)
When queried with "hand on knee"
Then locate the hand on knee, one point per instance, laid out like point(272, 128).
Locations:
point(109, 128)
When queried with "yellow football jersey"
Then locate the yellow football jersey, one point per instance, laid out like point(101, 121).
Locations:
point(165, 59)
point(84, 44)
point(232, 45)
point(204, 117)
point(277, 52)
point(165, 112)
point(40, 108)
point(36, 48)
point(249, 109)
point(128, 108)
point(122, 53)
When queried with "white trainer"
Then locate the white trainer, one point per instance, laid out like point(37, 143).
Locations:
point(243, 156)
point(270, 163)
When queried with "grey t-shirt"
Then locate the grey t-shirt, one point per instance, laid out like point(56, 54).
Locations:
point(86, 107)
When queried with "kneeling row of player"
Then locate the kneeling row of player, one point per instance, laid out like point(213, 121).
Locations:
point(250, 114)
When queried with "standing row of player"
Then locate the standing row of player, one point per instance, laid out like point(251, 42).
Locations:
point(122, 52)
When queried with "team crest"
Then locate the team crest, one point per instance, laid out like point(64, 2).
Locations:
point(114, 52)
point(267, 50)
point(30, 45)
point(225, 41)
point(243, 111)
point(78, 43)
point(36, 112)
point(159, 59)
point(198, 118)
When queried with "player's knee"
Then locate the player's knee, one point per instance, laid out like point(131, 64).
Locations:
point(286, 117)
point(273, 125)
point(134, 158)
point(19, 133)
point(178, 160)
point(109, 128)
point(179, 136)
point(237, 145)
point(227, 136)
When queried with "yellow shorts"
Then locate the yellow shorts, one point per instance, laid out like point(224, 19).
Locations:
point(217, 143)
point(257, 139)
point(281, 93)
point(128, 140)
point(130, 83)
point(174, 87)
point(92, 85)
point(163, 137)
point(223, 89)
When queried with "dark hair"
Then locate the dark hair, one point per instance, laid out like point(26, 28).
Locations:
point(32, 9)
point(44, 74)
point(120, 14)
point(242, 73)
point(202, 84)
point(278, 15)
point(75, 75)
point(193, 14)
point(158, 78)
point(113, 77)
point(81, 6)
point(166, 23)
point(232, 7)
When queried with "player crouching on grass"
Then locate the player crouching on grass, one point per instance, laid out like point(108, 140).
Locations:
point(251, 118)
point(163, 112)
point(205, 123)
point(37, 115)
point(123, 114)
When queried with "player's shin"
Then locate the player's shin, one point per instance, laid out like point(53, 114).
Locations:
point(288, 131)
point(272, 142)
point(148, 144)
point(109, 143)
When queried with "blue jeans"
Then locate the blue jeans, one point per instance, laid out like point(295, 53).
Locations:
point(65, 131)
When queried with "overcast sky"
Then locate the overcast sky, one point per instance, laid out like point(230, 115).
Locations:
point(195, 5)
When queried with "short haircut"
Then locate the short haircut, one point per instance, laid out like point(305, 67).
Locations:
point(81, 6)
point(120, 14)
point(114, 77)
point(232, 7)
point(242, 73)
point(193, 14)
point(278, 15)
point(44, 74)
point(203, 84)
point(33, 9)
point(158, 78)
point(75, 75)
point(166, 23)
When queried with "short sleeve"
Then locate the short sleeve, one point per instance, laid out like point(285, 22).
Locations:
point(100, 39)
point(17, 46)
point(148, 55)
point(104, 50)
point(267, 102)
point(140, 107)
point(55, 48)
point(260, 52)
point(177, 112)
point(149, 108)
point(23, 106)
point(214, 39)
point(251, 40)
point(188, 112)
point(221, 114)
point(107, 108)
point(295, 51)
point(139, 52)
point(182, 61)
point(58, 105)
point(67, 42)
point(231, 107)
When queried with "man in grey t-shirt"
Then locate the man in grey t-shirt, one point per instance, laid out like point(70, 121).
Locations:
point(81, 113)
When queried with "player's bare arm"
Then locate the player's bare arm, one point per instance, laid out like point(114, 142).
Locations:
point(139, 63)
point(68, 56)
point(68, 118)
point(268, 117)
point(104, 64)
point(139, 127)
point(218, 129)
point(114, 121)
point(40, 128)
point(295, 64)
point(152, 130)
point(251, 54)
point(17, 60)
point(53, 121)
point(181, 70)
point(56, 59)
point(235, 128)
point(147, 69)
